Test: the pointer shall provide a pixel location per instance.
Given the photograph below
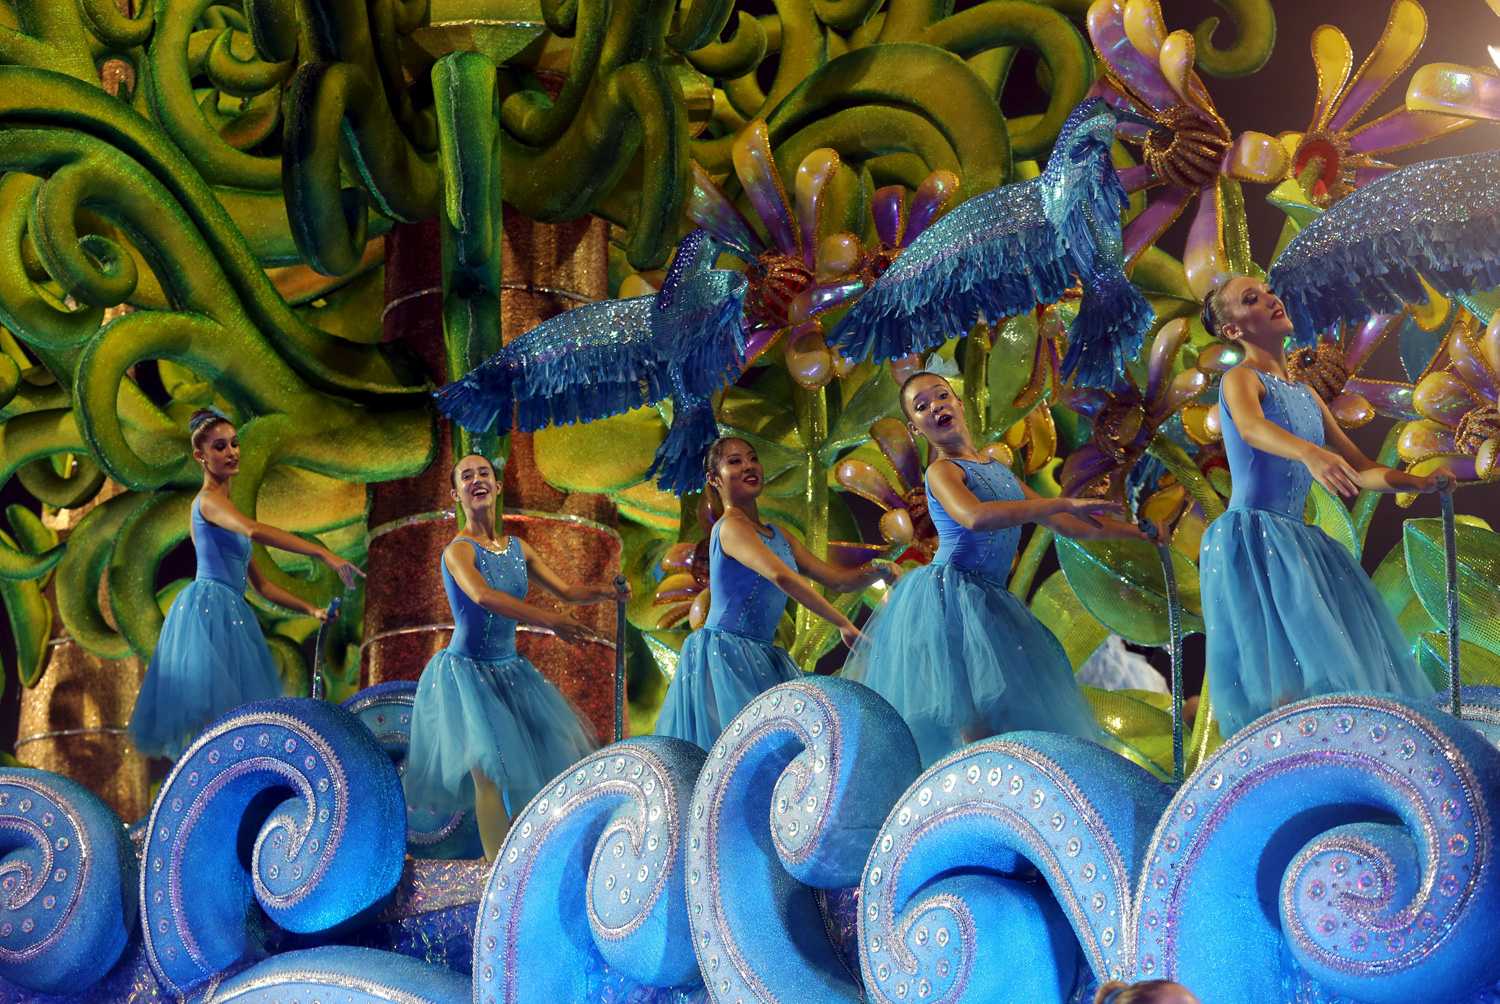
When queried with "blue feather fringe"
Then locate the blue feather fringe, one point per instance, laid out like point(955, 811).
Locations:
point(1108, 332)
point(1439, 220)
point(679, 459)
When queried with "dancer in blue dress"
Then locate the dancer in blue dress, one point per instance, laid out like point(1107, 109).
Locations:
point(487, 729)
point(958, 655)
point(211, 656)
point(752, 569)
point(1290, 614)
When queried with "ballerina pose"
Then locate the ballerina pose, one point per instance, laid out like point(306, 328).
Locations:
point(753, 568)
point(956, 653)
point(487, 729)
point(211, 656)
point(1289, 612)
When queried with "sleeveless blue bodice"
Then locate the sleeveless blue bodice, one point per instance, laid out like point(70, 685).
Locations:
point(223, 555)
point(478, 633)
point(741, 600)
point(988, 553)
point(1263, 480)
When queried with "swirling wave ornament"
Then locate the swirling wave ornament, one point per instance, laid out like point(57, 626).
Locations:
point(66, 875)
point(592, 869)
point(822, 760)
point(321, 830)
point(952, 898)
point(385, 709)
point(347, 975)
point(1355, 828)
point(1480, 709)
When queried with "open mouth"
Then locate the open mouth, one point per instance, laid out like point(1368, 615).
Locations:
point(1278, 312)
point(480, 492)
point(751, 479)
point(944, 420)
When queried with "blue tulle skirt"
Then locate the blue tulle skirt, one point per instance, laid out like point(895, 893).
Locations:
point(962, 659)
point(1290, 614)
point(502, 717)
point(718, 673)
point(210, 659)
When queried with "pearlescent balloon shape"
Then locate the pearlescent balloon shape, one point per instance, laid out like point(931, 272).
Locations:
point(385, 709)
point(321, 825)
point(67, 874)
point(593, 865)
point(953, 908)
point(1354, 828)
point(345, 975)
point(793, 794)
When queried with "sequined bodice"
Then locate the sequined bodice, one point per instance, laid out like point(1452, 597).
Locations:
point(477, 633)
point(1263, 480)
point(986, 553)
point(223, 555)
point(740, 599)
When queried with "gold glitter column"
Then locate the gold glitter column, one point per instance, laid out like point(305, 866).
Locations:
point(547, 269)
point(73, 721)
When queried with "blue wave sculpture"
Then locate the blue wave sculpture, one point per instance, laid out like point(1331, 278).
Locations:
point(67, 878)
point(1017, 848)
point(346, 975)
point(1353, 831)
point(300, 790)
point(792, 795)
point(591, 873)
point(385, 709)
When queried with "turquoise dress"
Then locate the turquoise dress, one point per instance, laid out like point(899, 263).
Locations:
point(480, 703)
point(1290, 614)
point(211, 656)
point(731, 658)
point(956, 653)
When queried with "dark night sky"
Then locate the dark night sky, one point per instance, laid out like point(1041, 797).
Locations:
point(1278, 98)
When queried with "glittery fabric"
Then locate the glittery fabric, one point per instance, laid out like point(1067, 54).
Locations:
point(345, 974)
point(66, 883)
point(330, 846)
point(591, 878)
point(949, 903)
point(1286, 808)
point(1289, 612)
point(799, 756)
point(1369, 253)
point(1005, 251)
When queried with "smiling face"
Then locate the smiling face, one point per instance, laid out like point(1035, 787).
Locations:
point(1253, 314)
point(220, 452)
point(474, 485)
point(933, 409)
point(738, 474)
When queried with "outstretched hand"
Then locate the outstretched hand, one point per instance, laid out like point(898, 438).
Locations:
point(850, 634)
point(1090, 510)
point(345, 570)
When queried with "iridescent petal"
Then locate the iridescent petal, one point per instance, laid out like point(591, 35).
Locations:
point(672, 616)
point(1184, 387)
point(888, 206)
point(679, 558)
point(814, 174)
point(1366, 337)
point(1203, 258)
point(998, 451)
point(757, 340)
point(1087, 401)
point(698, 614)
point(1221, 357)
point(1487, 460)
point(1085, 464)
point(1391, 399)
point(757, 171)
point(1195, 424)
point(1405, 31)
point(807, 357)
point(1108, 90)
point(903, 368)
point(1350, 410)
point(897, 527)
point(1256, 156)
point(1452, 89)
point(1423, 439)
point(1141, 74)
point(1144, 26)
point(1489, 343)
point(1142, 232)
point(1463, 468)
point(1041, 439)
point(1164, 348)
point(895, 441)
point(1469, 363)
point(1443, 397)
point(1402, 128)
point(865, 481)
point(1333, 59)
point(823, 297)
point(680, 587)
point(1365, 175)
point(935, 194)
point(1136, 178)
point(839, 255)
point(1176, 61)
point(843, 554)
point(711, 209)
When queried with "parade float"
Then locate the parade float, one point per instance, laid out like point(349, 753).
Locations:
point(312, 214)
